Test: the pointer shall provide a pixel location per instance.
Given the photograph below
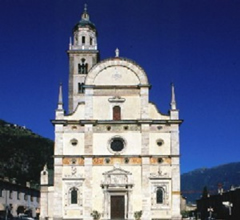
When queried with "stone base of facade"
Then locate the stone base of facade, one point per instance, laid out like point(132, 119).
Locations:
point(177, 218)
point(173, 218)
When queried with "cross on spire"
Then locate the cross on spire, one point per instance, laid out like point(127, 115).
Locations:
point(85, 7)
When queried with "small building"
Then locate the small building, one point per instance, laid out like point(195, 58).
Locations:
point(224, 205)
point(16, 199)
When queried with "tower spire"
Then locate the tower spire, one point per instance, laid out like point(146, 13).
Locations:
point(173, 100)
point(60, 98)
point(85, 15)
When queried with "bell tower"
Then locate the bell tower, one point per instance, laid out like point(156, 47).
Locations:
point(83, 55)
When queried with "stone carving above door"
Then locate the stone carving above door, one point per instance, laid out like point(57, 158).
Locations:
point(117, 177)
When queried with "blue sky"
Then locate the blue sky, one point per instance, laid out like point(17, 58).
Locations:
point(194, 44)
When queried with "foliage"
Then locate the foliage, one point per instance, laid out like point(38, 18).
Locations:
point(95, 214)
point(138, 215)
point(23, 153)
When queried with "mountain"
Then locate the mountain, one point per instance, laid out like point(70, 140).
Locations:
point(23, 153)
point(225, 176)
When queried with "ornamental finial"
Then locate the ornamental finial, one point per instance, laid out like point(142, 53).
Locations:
point(85, 7)
point(60, 98)
point(173, 100)
point(117, 52)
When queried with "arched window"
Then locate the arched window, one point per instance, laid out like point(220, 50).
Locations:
point(74, 196)
point(82, 67)
point(80, 87)
point(83, 39)
point(116, 113)
point(159, 196)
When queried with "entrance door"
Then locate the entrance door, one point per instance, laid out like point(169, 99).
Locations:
point(117, 207)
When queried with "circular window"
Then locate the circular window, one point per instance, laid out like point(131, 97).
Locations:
point(74, 142)
point(74, 127)
point(160, 142)
point(117, 145)
point(159, 127)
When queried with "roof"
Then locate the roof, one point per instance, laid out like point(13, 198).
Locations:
point(85, 21)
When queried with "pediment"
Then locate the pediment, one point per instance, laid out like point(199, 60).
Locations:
point(117, 171)
point(117, 177)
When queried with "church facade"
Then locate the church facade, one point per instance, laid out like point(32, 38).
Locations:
point(116, 156)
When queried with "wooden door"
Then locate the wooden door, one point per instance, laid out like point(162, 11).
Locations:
point(117, 207)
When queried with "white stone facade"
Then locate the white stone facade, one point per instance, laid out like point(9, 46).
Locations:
point(114, 152)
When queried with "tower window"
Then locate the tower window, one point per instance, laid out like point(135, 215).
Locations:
point(116, 113)
point(91, 41)
point(74, 196)
point(83, 39)
point(80, 87)
point(82, 67)
point(159, 196)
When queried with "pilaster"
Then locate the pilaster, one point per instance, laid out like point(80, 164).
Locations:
point(44, 203)
point(176, 194)
point(88, 103)
point(144, 102)
point(88, 189)
point(145, 139)
point(146, 194)
point(58, 192)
